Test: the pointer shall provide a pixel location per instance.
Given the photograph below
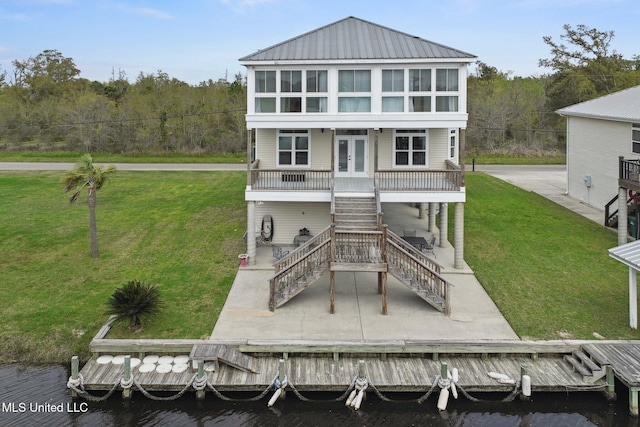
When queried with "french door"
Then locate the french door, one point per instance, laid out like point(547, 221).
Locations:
point(352, 156)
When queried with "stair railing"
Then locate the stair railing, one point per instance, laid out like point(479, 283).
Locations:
point(421, 271)
point(290, 271)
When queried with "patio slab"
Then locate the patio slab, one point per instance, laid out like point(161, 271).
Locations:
point(358, 314)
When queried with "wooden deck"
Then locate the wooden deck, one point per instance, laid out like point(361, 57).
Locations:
point(395, 374)
point(624, 358)
point(391, 367)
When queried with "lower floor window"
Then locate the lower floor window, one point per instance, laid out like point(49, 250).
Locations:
point(446, 103)
point(410, 148)
point(293, 147)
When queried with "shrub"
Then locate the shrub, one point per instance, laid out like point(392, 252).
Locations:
point(134, 302)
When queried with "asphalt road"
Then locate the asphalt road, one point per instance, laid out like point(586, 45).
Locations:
point(52, 166)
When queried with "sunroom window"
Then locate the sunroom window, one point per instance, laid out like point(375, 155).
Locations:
point(393, 80)
point(290, 81)
point(293, 147)
point(410, 148)
point(316, 81)
point(355, 81)
point(447, 80)
point(420, 80)
point(265, 81)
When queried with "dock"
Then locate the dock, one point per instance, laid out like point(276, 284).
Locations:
point(391, 366)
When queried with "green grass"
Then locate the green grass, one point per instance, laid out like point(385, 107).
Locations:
point(180, 231)
point(72, 156)
point(547, 268)
point(510, 160)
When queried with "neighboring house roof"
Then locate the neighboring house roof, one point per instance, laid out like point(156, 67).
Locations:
point(623, 106)
point(354, 38)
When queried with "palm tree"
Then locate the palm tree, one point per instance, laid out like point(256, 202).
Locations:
point(135, 301)
point(92, 177)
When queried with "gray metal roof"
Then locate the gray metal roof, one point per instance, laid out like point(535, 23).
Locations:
point(623, 106)
point(628, 254)
point(354, 38)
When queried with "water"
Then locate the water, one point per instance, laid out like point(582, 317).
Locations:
point(30, 395)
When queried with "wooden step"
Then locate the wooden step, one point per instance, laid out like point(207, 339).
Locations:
point(577, 366)
point(586, 360)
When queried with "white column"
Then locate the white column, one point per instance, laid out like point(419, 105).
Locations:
point(622, 216)
point(432, 217)
point(251, 232)
point(458, 233)
point(422, 207)
point(633, 298)
point(444, 222)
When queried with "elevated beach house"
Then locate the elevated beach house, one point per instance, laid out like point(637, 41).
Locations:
point(341, 121)
point(603, 157)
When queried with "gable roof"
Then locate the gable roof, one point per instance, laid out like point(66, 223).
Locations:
point(622, 106)
point(354, 38)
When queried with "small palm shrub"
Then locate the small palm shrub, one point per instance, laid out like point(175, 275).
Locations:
point(134, 302)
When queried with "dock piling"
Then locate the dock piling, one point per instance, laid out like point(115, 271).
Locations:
point(611, 391)
point(282, 377)
point(126, 383)
point(200, 394)
point(633, 401)
point(75, 368)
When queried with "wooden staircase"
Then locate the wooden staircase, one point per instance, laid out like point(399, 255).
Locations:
point(355, 213)
point(357, 242)
point(582, 363)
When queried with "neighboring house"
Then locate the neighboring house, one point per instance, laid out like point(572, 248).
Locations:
point(603, 147)
point(352, 114)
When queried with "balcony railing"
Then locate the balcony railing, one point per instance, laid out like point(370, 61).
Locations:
point(449, 179)
point(629, 169)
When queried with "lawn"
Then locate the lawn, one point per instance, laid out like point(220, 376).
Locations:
point(181, 231)
point(546, 268)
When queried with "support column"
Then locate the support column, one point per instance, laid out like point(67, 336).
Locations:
point(633, 401)
point(633, 298)
point(458, 241)
point(251, 232)
point(622, 216)
point(422, 207)
point(444, 224)
point(432, 217)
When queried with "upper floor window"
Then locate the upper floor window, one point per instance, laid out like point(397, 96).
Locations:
point(447, 80)
point(635, 137)
point(354, 81)
point(290, 81)
point(393, 80)
point(316, 81)
point(420, 80)
point(293, 147)
point(410, 147)
point(265, 81)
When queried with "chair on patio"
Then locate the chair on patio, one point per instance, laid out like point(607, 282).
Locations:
point(278, 253)
point(430, 245)
point(408, 233)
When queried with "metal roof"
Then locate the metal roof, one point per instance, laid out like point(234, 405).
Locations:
point(623, 106)
point(628, 254)
point(354, 38)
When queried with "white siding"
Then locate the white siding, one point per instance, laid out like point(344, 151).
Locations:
point(289, 218)
point(593, 148)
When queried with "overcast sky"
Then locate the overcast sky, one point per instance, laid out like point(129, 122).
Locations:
point(198, 40)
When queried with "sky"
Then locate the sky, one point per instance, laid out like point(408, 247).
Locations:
point(198, 40)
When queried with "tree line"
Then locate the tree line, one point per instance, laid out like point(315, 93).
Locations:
point(44, 105)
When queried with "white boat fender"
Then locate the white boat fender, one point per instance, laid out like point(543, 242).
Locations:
point(350, 398)
point(449, 374)
point(507, 381)
point(358, 400)
point(526, 385)
point(454, 375)
point(498, 376)
point(443, 399)
point(454, 390)
point(274, 398)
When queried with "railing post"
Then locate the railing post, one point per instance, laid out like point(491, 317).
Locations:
point(620, 167)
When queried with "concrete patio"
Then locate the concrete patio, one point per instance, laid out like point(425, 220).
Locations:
point(358, 317)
